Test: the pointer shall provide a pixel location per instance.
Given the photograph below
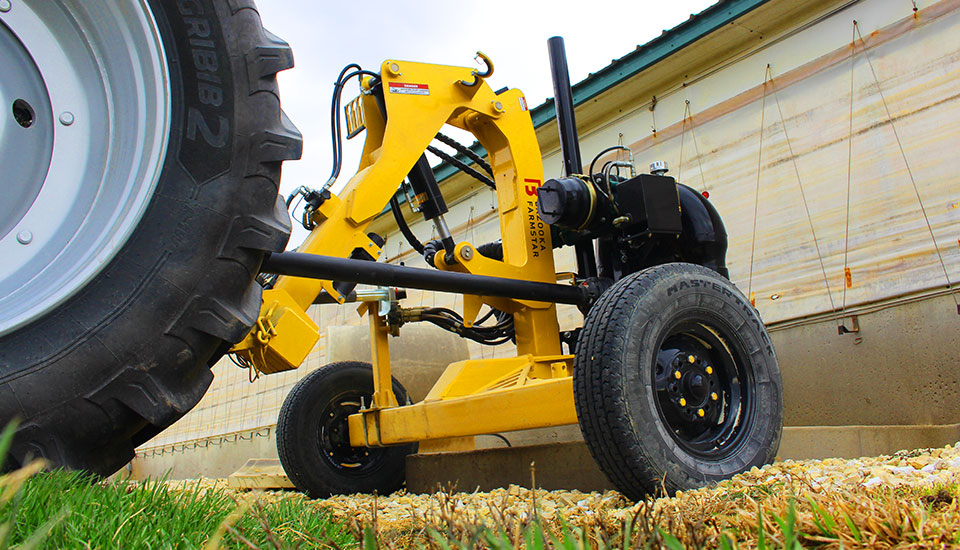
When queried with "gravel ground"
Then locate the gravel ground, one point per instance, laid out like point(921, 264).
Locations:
point(907, 500)
point(928, 468)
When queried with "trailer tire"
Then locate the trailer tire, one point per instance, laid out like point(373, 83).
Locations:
point(313, 441)
point(676, 383)
point(102, 370)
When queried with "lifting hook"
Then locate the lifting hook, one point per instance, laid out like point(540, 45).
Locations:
point(477, 75)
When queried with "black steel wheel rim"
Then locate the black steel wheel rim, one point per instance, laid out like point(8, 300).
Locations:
point(703, 390)
point(333, 439)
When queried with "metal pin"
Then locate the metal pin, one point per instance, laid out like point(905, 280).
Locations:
point(5, 6)
point(443, 230)
point(67, 118)
point(25, 236)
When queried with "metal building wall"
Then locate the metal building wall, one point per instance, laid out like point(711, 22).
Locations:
point(891, 252)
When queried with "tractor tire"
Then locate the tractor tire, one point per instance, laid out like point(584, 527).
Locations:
point(676, 383)
point(313, 441)
point(160, 197)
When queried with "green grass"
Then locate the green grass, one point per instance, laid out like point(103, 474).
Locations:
point(67, 510)
point(127, 515)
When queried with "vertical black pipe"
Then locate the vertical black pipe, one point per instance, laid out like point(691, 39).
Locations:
point(563, 100)
point(569, 141)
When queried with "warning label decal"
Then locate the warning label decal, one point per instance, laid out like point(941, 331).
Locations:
point(409, 89)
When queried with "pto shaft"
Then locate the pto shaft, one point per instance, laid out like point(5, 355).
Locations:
point(311, 266)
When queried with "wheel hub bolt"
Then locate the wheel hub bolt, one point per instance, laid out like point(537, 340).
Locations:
point(691, 359)
point(683, 402)
point(25, 236)
point(709, 370)
point(700, 413)
point(5, 6)
point(714, 396)
point(67, 118)
point(677, 375)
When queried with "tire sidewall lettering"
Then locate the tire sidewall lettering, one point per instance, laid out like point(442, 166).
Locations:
point(208, 90)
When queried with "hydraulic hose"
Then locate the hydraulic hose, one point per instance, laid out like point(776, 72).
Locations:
point(412, 239)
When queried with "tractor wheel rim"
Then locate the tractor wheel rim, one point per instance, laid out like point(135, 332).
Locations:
point(84, 123)
point(703, 389)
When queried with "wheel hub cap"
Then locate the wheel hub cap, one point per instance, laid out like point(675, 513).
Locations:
point(699, 393)
point(334, 441)
point(26, 129)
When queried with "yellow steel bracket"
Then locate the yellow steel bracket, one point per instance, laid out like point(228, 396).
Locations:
point(533, 389)
point(282, 337)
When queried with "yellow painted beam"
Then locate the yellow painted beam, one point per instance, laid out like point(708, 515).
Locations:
point(539, 404)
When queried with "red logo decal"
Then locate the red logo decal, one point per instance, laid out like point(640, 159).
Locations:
point(532, 189)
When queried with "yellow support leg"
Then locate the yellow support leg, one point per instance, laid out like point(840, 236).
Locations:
point(383, 395)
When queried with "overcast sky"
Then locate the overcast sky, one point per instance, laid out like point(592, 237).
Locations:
point(327, 35)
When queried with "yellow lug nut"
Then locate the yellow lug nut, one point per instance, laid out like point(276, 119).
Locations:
point(683, 402)
point(691, 359)
point(709, 370)
point(700, 412)
point(676, 374)
point(714, 396)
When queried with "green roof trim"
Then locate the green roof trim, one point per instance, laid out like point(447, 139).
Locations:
point(684, 34)
point(672, 40)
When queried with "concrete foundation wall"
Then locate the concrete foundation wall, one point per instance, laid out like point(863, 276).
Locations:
point(900, 369)
point(213, 459)
point(569, 465)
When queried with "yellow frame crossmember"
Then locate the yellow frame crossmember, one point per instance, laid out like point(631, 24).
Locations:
point(533, 389)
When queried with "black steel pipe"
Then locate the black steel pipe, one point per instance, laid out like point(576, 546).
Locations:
point(563, 101)
point(311, 266)
point(569, 140)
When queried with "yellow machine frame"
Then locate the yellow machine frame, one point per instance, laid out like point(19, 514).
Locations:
point(533, 389)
